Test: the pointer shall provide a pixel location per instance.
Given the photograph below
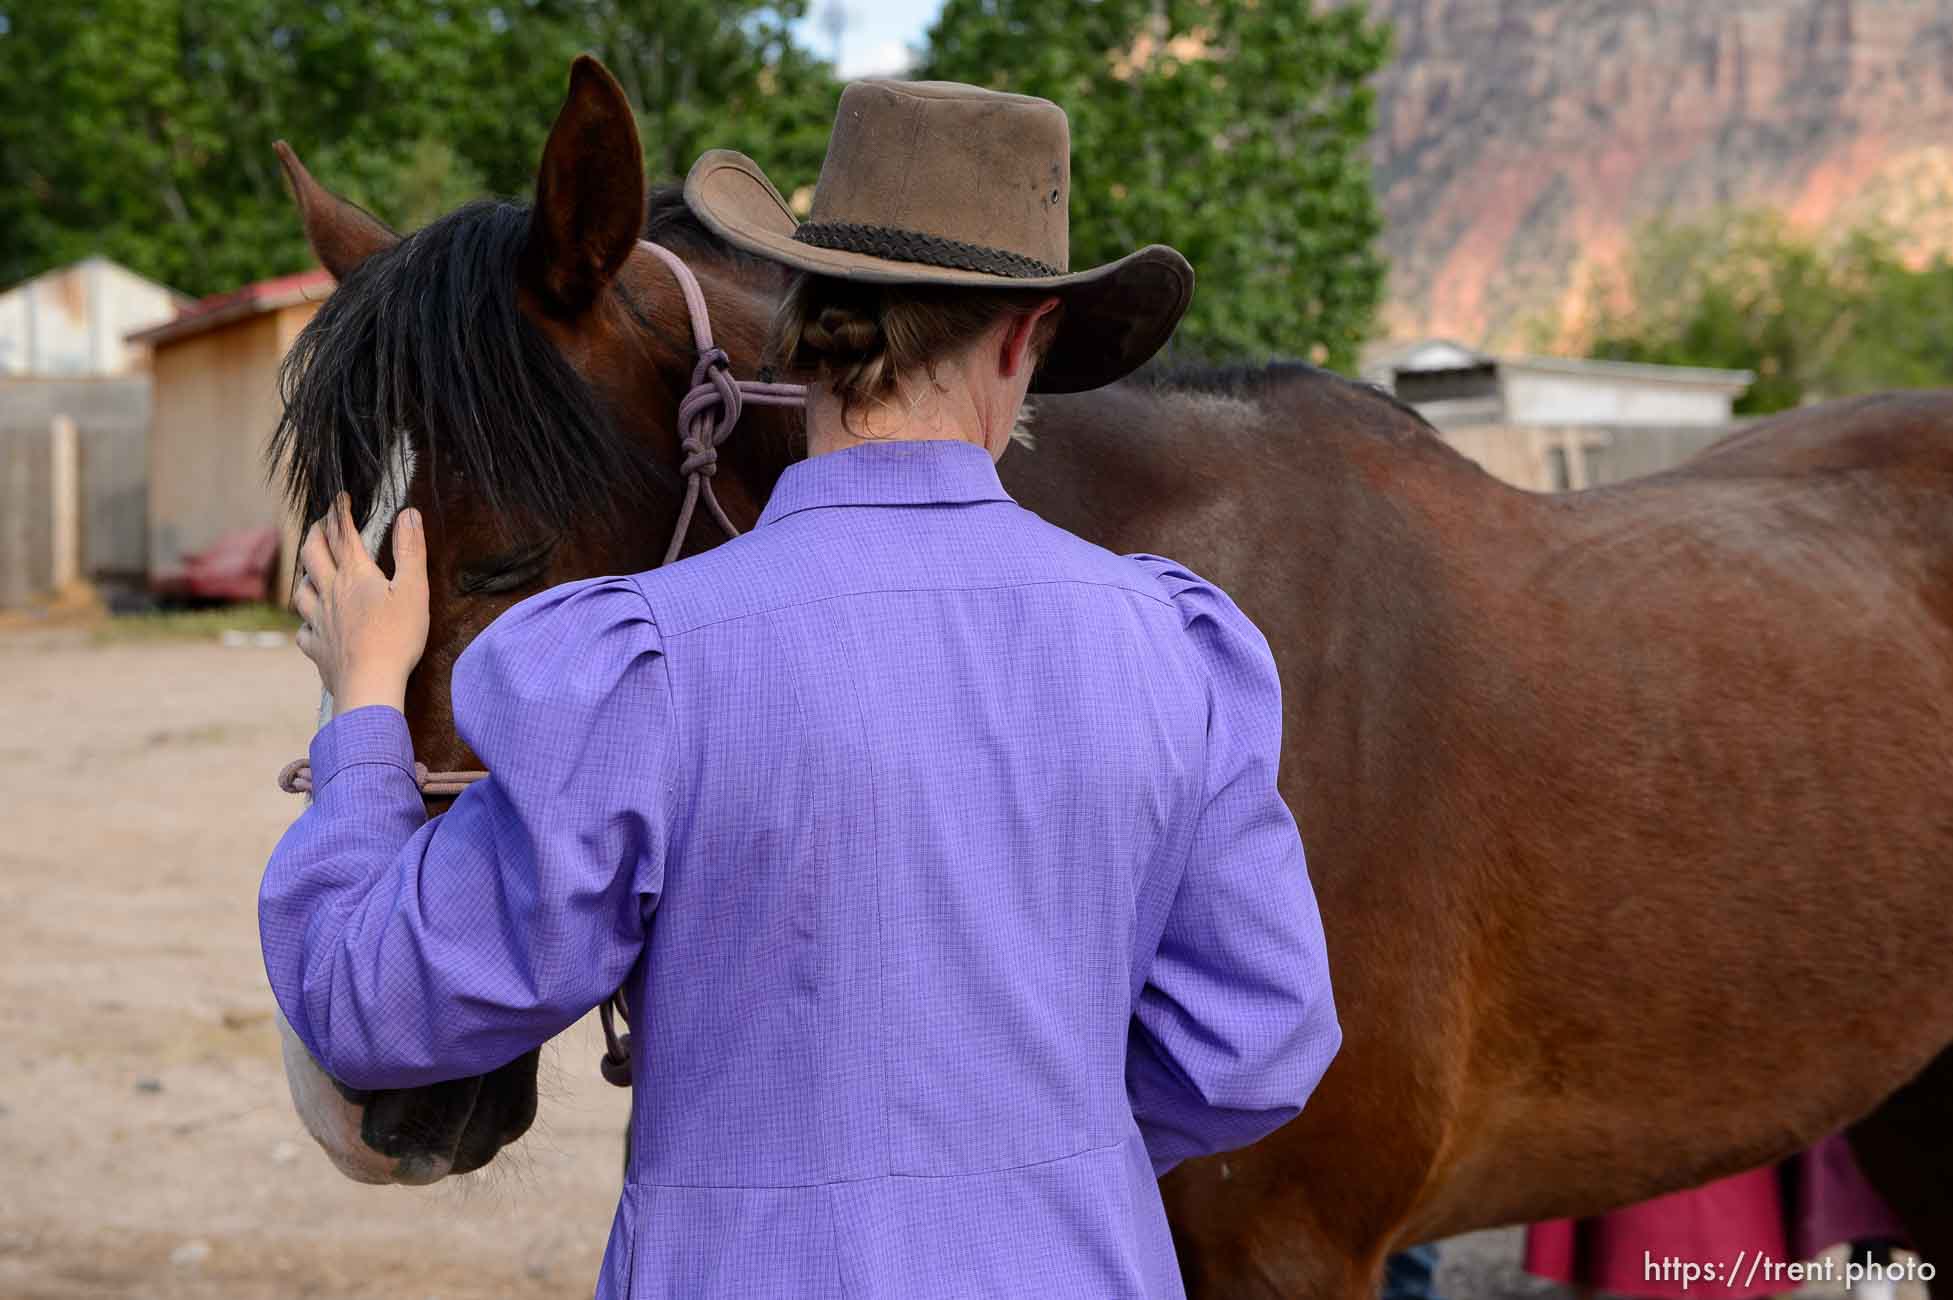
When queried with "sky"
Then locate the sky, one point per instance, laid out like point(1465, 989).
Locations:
point(879, 35)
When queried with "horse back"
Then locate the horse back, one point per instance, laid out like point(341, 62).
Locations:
point(1899, 432)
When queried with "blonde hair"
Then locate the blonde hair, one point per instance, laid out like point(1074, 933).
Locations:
point(865, 342)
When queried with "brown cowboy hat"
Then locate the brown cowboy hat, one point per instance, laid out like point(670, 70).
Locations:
point(937, 183)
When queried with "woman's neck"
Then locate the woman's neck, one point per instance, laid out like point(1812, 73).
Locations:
point(927, 411)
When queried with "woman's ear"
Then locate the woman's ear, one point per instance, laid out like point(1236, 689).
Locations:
point(1026, 338)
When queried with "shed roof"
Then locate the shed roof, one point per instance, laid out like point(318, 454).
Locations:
point(251, 300)
point(1721, 381)
point(1382, 362)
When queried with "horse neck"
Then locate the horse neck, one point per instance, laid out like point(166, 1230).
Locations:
point(1313, 487)
point(1378, 497)
point(752, 459)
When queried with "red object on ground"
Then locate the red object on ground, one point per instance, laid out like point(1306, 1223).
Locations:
point(1818, 1200)
point(1715, 1225)
point(237, 566)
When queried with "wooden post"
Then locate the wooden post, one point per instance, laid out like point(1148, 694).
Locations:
point(64, 503)
point(16, 583)
point(1574, 448)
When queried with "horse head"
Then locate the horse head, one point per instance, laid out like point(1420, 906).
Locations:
point(514, 372)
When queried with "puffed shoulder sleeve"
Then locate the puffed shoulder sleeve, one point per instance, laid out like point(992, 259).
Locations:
point(404, 950)
point(1235, 1024)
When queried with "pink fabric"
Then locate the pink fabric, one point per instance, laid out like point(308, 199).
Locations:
point(1708, 1225)
point(1820, 1200)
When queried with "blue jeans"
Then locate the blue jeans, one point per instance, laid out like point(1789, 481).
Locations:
point(1412, 1274)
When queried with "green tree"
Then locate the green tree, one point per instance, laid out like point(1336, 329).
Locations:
point(1235, 130)
point(708, 74)
point(142, 129)
point(1813, 318)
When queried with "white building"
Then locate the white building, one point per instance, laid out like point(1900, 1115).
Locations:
point(74, 320)
point(74, 427)
point(1555, 423)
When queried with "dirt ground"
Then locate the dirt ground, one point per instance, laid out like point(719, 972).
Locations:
point(148, 1147)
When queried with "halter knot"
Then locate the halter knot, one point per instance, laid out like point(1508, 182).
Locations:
point(700, 457)
point(712, 408)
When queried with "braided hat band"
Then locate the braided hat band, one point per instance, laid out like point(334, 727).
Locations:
point(898, 245)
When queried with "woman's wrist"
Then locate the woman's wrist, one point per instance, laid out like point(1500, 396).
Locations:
point(359, 692)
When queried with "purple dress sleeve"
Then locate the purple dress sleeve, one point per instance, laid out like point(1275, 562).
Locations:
point(406, 951)
point(1235, 1024)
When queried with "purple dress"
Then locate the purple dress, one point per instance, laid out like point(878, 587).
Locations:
point(940, 854)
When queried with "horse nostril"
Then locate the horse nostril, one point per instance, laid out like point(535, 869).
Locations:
point(419, 1122)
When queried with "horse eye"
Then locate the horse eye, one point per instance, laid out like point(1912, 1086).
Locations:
point(509, 571)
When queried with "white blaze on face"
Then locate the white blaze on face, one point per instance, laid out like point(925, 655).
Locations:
point(388, 498)
point(333, 1121)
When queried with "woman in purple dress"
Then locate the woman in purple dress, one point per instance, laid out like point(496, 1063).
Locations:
point(939, 851)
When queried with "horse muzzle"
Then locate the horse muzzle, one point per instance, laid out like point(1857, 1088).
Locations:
point(410, 1136)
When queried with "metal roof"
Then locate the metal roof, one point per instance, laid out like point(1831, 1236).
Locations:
point(251, 300)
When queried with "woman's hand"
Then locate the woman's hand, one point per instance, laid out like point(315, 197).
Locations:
point(364, 632)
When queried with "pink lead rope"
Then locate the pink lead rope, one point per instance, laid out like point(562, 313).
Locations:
point(706, 418)
point(709, 412)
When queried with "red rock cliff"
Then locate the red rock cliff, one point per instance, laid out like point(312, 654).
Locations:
point(1522, 142)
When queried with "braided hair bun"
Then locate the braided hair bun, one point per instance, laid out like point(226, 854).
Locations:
point(864, 342)
point(841, 334)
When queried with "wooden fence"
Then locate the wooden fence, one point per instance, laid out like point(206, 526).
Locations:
point(73, 484)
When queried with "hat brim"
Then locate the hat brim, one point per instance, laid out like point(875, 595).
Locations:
point(1116, 316)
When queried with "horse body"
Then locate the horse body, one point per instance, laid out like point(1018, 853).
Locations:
point(1621, 805)
point(1625, 810)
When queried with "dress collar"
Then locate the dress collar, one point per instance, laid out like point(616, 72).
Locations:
point(904, 472)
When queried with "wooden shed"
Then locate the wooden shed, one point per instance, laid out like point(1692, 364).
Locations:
point(1555, 424)
point(215, 402)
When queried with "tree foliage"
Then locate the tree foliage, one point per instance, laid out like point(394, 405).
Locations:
point(1235, 130)
point(142, 129)
point(1813, 317)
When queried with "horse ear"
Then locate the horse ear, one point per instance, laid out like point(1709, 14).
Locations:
point(342, 234)
point(589, 193)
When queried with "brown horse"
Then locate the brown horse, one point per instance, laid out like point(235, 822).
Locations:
point(1627, 810)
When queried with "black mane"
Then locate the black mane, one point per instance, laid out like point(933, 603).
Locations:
point(429, 336)
point(669, 221)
